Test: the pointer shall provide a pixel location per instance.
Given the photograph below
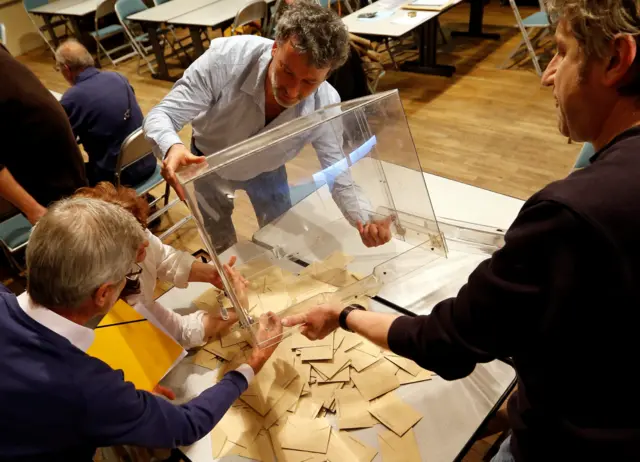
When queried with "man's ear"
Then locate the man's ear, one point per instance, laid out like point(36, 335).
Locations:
point(274, 48)
point(102, 295)
point(623, 51)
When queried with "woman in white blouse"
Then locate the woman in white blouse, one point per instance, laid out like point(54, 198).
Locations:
point(163, 262)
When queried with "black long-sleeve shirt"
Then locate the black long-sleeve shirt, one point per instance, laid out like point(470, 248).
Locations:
point(562, 299)
point(39, 148)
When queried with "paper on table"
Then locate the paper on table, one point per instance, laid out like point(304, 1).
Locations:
point(218, 440)
point(375, 380)
point(325, 392)
point(352, 410)
point(300, 341)
point(360, 360)
point(302, 434)
point(404, 363)
point(394, 413)
point(240, 425)
point(345, 448)
point(308, 407)
point(261, 449)
point(287, 455)
point(234, 338)
point(428, 2)
point(350, 341)
point(141, 350)
point(227, 353)
point(290, 396)
point(405, 378)
point(406, 20)
point(370, 348)
point(316, 353)
point(343, 376)
point(208, 301)
point(398, 449)
point(205, 359)
point(269, 384)
point(333, 366)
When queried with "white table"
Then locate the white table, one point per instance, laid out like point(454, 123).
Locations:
point(216, 15)
point(151, 18)
point(74, 11)
point(395, 22)
point(453, 411)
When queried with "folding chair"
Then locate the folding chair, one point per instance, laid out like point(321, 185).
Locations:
point(55, 22)
point(126, 8)
point(14, 235)
point(537, 22)
point(253, 10)
point(134, 148)
point(106, 7)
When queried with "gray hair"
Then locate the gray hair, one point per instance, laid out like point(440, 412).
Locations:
point(315, 31)
point(77, 246)
point(73, 54)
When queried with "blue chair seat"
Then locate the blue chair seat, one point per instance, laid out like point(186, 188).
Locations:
point(154, 180)
point(107, 31)
point(15, 231)
point(539, 19)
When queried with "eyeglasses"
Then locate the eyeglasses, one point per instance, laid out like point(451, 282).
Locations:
point(134, 274)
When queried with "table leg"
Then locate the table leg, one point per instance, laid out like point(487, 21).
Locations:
point(196, 39)
point(476, 14)
point(427, 48)
point(52, 33)
point(158, 51)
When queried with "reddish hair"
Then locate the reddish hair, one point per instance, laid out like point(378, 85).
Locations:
point(126, 198)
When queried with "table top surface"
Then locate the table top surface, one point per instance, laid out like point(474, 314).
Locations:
point(211, 15)
point(61, 6)
point(452, 410)
point(169, 10)
point(392, 21)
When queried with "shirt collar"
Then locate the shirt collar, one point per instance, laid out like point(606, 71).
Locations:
point(254, 83)
point(80, 337)
point(86, 74)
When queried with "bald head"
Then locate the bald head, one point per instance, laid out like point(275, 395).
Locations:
point(72, 55)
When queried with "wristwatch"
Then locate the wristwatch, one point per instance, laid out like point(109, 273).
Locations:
point(342, 319)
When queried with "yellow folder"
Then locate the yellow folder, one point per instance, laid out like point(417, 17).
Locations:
point(125, 340)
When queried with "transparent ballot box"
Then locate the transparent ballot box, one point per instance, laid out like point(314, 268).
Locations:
point(301, 192)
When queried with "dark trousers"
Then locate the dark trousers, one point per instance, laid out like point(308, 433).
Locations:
point(268, 193)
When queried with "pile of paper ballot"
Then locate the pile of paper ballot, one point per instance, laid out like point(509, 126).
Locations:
point(283, 415)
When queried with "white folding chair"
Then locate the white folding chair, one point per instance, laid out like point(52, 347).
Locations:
point(253, 10)
point(55, 21)
point(537, 24)
point(105, 8)
point(134, 148)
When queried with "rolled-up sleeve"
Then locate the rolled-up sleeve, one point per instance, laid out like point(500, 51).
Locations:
point(497, 312)
point(195, 92)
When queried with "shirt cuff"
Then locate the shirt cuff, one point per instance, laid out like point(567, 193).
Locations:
point(166, 141)
point(246, 371)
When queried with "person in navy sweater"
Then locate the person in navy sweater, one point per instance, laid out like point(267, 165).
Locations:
point(103, 111)
point(56, 402)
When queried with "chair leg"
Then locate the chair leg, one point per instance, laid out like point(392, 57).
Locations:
point(393, 60)
point(108, 55)
point(167, 191)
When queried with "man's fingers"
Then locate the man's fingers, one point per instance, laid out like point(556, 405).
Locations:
point(294, 320)
point(164, 391)
point(360, 227)
point(192, 159)
point(232, 261)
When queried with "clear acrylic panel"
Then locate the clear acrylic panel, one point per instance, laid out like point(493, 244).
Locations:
point(301, 190)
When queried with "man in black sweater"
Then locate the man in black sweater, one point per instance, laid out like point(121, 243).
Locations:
point(562, 298)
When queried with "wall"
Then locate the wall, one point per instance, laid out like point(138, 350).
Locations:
point(22, 35)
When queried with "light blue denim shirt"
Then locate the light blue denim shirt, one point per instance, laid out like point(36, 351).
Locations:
point(222, 94)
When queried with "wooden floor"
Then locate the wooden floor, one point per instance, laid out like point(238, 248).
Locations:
point(491, 128)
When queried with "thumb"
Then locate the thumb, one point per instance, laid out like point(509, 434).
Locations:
point(164, 391)
point(191, 159)
point(294, 320)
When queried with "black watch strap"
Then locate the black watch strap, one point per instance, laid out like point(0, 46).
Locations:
point(342, 319)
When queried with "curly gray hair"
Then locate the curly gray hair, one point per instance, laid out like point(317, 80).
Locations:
point(315, 31)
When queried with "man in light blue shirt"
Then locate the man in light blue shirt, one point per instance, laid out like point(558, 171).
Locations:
point(245, 85)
